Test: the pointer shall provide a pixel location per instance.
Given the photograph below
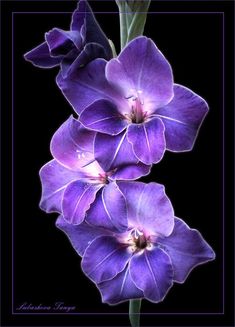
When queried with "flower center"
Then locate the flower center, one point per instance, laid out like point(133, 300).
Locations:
point(103, 178)
point(141, 242)
point(137, 114)
point(94, 174)
point(137, 240)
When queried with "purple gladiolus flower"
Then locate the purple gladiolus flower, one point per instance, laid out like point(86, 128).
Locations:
point(84, 42)
point(143, 258)
point(71, 181)
point(133, 95)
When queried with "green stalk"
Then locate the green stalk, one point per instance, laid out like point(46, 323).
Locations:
point(123, 22)
point(132, 17)
point(134, 312)
point(136, 28)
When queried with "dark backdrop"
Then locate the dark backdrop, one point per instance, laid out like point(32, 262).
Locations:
point(45, 267)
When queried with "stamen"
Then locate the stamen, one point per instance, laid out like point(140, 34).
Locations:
point(103, 178)
point(136, 233)
point(129, 97)
point(139, 240)
point(137, 115)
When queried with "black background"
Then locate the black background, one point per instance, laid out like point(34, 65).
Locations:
point(46, 268)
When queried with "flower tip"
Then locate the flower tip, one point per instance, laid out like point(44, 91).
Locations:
point(60, 222)
point(82, 7)
point(27, 56)
point(43, 206)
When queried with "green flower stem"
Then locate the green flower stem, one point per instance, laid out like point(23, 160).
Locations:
point(136, 28)
point(134, 312)
point(123, 22)
point(132, 16)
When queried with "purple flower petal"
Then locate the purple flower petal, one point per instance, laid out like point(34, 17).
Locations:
point(40, 57)
point(152, 272)
point(141, 70)
point(131, 191)
point(148, 140)
point(149, 209)
point(78, 16)
point(109, 209)
point(90, 52)
point(186, 248)
point(120, 288)
point(69, 61)
point(77, 199)
point(115, 206)
point(61, 42)
point(103, 116)
point(54, 178)
point(84, 21)
point(104, 258)
point(72, 144)
point(117, 151)
point(85, 85)
point(93, 172)
point(81, 235)
point(85, 40)
point(130, 172)
point(97, 216)
point(182, 118)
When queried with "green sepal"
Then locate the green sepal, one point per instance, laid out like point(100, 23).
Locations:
point(113, 48)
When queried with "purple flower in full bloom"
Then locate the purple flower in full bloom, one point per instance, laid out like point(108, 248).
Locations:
point(134, 96)
point(143, 258)
point(84, 42)
point(71, 181)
